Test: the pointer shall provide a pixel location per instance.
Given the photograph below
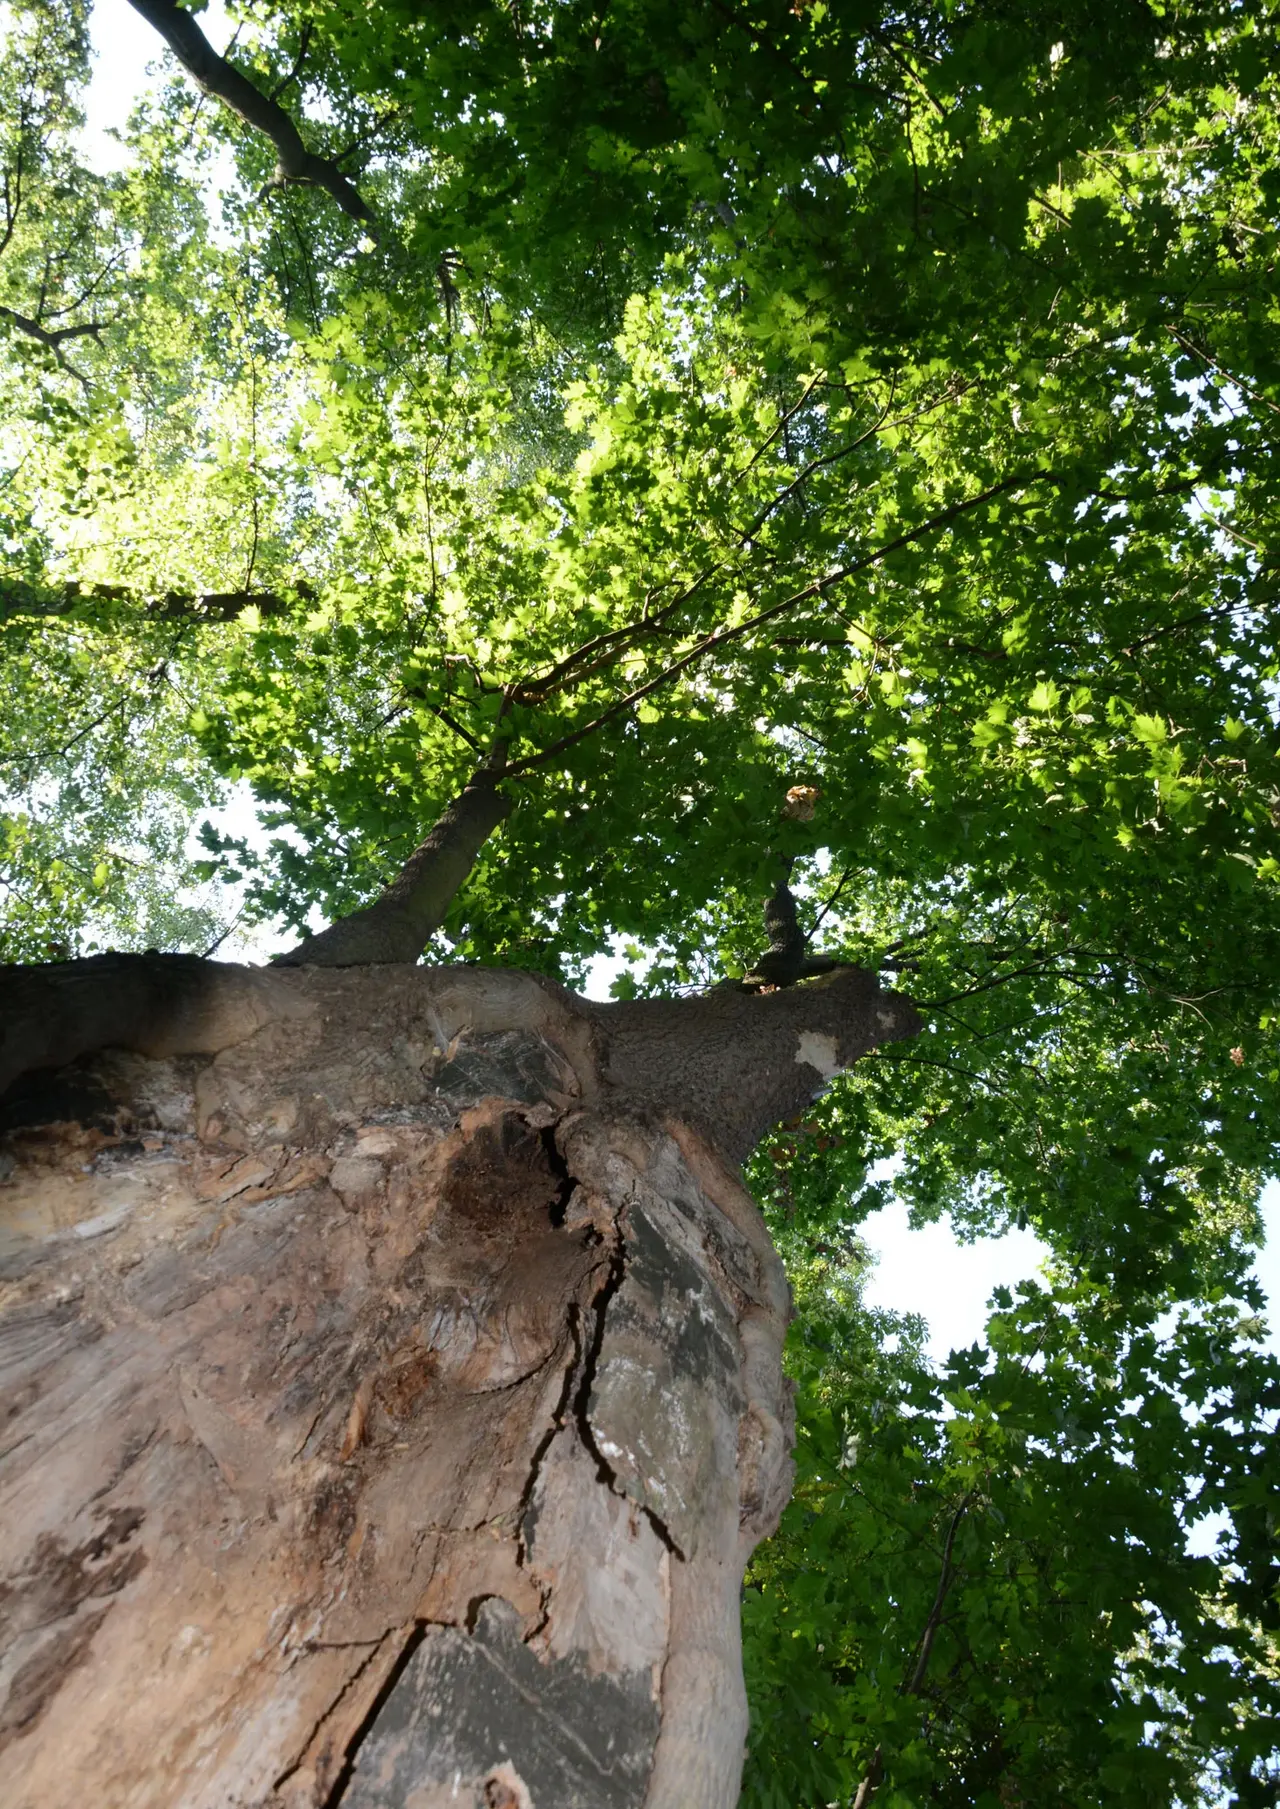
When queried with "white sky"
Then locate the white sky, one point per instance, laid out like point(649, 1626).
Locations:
point(124, 45)
point(925, 1271)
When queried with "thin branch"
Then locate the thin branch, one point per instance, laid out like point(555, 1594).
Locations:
point(929, 1061)
point(784, 421)
point(114, 709)
point(218, 941)
point(620, 640)
point(924, 1646)
point(818, 588)
point(840, 885)
point(212, 73)
point(304, 44)
point(1193, 621)
point(945, 1580)
point(533, 690)
point(90, 289)
point(253, 470)
point(1034, 968)
point(12, 202)
point(449, 721)
point(802, 477)
point(1189, 345)
point(890, 49)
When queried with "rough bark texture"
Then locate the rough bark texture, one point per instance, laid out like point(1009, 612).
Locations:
point(390, 1387)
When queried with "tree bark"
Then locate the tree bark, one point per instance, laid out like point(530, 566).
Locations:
point(391, 1383)
point(400, 922)
point(295, 163)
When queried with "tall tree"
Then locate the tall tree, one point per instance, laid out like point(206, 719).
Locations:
point(651, 453)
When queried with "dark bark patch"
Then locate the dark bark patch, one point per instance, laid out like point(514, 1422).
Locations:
point(670, 1290)
point(476, 1709)
point(48, 1096)
point(500, 1179)
point(504, 1064)
point(37, 1682)
point(59, 1578)
point(408, 1376)
point(667, 1372)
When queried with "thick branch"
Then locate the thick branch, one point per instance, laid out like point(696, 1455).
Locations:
point(84, 601)
point(726, 1064)
point(760, 1058)
point(295, 163)
point(52, 337)
point(397, 926)
point(787, 958)
point(52, 340)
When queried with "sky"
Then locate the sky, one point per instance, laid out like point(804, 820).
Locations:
point(124, 44)
point(926, 1271)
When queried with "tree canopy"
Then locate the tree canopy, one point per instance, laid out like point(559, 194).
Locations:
point(682, 405)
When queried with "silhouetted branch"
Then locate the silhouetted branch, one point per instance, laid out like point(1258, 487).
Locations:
point(213, 73)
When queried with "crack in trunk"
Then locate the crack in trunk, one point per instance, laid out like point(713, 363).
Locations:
point(605, 1472)
point(337, 1790)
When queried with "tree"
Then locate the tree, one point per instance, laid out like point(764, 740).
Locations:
point(926, 475)
point(1027, 1517)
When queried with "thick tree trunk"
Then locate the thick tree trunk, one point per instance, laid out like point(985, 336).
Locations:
point(390, 1382)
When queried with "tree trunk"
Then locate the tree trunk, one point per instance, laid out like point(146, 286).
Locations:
point(400, 922)
point(390, 1364)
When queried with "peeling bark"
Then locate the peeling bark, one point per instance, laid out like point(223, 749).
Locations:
point(390, 1382)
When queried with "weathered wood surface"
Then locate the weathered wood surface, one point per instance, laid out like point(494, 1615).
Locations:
point(390, 1394)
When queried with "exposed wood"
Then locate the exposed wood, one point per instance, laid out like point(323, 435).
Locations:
point(390, 1386)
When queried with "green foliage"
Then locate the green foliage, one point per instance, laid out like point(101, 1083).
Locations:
point(873, 400)
point(981, 1592)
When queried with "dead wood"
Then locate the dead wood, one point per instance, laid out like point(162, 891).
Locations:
point(390, 1382)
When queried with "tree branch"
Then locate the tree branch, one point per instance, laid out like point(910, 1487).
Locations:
point(215, 76)
point(53, 338)
point(924, 1646)
point(818, 588)
point(12, 201)
point(400, 922)
point(617, 640)
point(304, 44)
point(1196, 351)
point(175, 606)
